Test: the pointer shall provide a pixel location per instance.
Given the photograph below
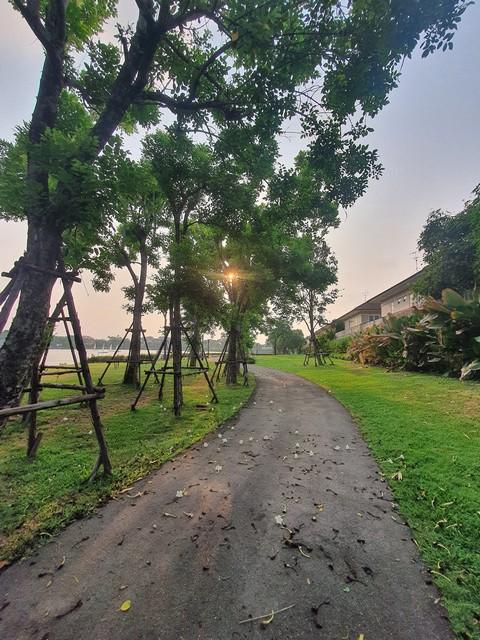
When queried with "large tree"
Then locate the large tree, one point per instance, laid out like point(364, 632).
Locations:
point(451, 251)
point(253, 62)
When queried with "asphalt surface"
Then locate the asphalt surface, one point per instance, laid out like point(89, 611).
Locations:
point(285, 506)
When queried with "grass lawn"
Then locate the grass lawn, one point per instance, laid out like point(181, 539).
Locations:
point(39, 497)
point(424, 431)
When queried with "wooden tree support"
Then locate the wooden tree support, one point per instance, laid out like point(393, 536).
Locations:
point(221, 363)
point(320, 357)
point(90, 394)
point(150, 358)
point(168, 369)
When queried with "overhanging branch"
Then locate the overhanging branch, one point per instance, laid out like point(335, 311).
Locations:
point(229, 111)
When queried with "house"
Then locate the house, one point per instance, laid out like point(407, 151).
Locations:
point(397, 300)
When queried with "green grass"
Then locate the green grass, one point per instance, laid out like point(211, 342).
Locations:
point(426, 427)
point(39, 497)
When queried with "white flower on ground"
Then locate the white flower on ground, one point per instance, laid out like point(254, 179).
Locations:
point(240, 442)
point(337, 448)
point(205, 444)
point(180, 493)
point(218, 468)
point(279, 520)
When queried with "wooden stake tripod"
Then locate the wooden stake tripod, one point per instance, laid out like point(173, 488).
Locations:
point(140, 362)
point(223, 361)
point(90, 394)
point(167, 369)
point(320, 357)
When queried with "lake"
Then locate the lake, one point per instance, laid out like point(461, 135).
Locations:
point(64, 356)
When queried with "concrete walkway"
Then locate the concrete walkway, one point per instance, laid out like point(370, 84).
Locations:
point(195, 566)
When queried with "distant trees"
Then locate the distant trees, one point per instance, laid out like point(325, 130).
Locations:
point(283, 338)
point(451, 250)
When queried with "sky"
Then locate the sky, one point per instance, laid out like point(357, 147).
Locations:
point(428, 140)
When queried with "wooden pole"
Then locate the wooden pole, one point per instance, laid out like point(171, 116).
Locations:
point(91, 396)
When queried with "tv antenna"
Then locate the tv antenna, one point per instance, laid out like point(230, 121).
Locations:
point(416, 257)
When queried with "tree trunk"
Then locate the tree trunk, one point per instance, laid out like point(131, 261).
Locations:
point(176, 332)
point(196, 341)
point(26, 338)
point(132, 369)
point(176, 338)
point(24, 341)
point(232, 357)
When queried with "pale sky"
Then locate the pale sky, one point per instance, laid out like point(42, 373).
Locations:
point(428, 140)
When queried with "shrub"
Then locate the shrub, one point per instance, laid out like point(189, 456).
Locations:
point(339, 346)
point(444, 337)
point(456, 321)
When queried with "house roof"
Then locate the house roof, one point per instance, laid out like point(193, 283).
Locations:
point(365, 307)
point(373, 305)
point(396, 288)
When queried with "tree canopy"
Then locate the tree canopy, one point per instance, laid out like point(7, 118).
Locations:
point(451, 250)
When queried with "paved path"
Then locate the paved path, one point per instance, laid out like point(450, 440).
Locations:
point(344, 559)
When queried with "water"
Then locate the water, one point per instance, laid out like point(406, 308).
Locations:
point(64, 356)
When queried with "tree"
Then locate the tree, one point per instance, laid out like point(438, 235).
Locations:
point(282, 337)
point(451, 250)
point(131, 241)
point(253, 63)
point(199, 188)
point(311, 290)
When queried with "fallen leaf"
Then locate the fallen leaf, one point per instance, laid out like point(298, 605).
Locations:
point(125, 606)
point(266, 621)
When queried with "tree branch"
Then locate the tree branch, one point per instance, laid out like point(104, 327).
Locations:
point(203, 69)
point(230, 112)
point(31, 16)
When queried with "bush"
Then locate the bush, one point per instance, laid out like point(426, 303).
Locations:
point(339, 346)
point(444, 338)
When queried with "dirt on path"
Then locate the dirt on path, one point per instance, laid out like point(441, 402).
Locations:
point(283, 506)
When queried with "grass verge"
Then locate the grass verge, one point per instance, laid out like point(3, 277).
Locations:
point(39, 497)
point(424, 432)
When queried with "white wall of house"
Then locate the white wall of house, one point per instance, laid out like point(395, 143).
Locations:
point(357, 323)
point(402, 301)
